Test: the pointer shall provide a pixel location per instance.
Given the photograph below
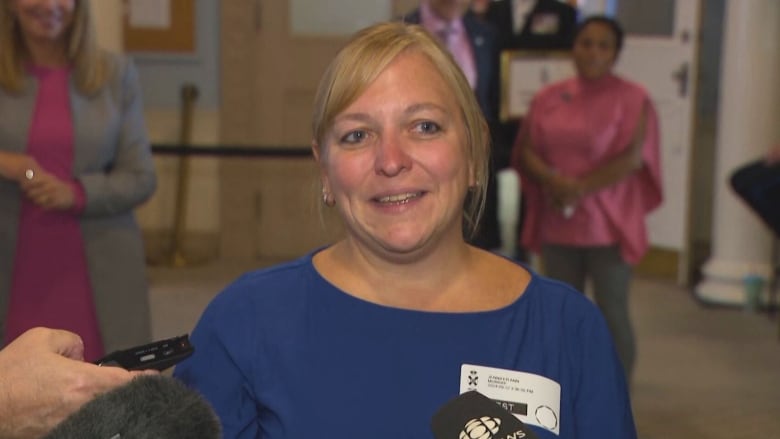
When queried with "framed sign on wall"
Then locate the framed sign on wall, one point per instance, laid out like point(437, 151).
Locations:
point(159, 26)
point(523, 73)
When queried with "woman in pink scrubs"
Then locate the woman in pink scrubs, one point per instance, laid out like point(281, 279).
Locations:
point(589, 160)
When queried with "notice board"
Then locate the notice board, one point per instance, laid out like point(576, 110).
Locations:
point(159, 26)
point(523, 73)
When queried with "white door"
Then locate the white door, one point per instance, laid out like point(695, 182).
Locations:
point(660, 52)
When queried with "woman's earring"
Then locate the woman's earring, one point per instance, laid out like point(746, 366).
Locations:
point(327, 199)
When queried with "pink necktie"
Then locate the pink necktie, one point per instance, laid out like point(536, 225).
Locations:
point(460, 49)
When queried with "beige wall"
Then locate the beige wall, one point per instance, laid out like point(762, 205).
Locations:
point(263, 199)
point(207, 213)
point(157, 215)
point(203, 207)
point(108, 23)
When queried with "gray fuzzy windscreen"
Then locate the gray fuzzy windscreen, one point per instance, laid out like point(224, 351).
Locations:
point(149, 407)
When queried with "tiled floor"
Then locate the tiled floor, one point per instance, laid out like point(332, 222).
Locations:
point(702, 372)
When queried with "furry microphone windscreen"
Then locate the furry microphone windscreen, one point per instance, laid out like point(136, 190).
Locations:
point(148, 407)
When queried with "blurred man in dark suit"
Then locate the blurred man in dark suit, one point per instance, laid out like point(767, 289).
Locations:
point(475, 47)
point(532, 24)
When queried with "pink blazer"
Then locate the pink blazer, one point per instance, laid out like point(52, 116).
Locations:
point(577, 126)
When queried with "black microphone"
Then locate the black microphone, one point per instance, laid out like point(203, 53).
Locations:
point(473, 415)
point(148, 407)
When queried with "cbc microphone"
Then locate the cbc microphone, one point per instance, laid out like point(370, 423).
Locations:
point(473, 415)
point(148, 407)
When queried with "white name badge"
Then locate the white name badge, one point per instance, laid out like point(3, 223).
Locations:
point(532, 398)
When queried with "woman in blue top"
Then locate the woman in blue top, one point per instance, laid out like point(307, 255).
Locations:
point(371, 335)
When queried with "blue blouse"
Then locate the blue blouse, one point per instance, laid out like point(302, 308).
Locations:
point(282, 353)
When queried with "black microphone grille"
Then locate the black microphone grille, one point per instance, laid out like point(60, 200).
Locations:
point(473, 415)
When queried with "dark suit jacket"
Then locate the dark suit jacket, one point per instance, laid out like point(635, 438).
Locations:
point(484, 42)
point(758, 185)
point(500, 14)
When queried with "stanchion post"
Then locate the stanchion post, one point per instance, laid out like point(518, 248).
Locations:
point(189, 94)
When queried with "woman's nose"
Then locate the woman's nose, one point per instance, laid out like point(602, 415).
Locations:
point(392, 156)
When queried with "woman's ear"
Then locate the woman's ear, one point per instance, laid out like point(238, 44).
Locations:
point(318, 157)
point(315, 150)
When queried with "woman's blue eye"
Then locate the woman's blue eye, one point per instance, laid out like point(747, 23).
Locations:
point(428, 127)
point(354, 136)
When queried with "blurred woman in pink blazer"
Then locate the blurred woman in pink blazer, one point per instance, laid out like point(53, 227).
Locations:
point(589, 160)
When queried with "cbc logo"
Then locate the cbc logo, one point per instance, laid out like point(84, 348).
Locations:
point(482, 428)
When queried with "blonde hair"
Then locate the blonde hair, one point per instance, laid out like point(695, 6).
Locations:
point(91, 68)
point(364, 58)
